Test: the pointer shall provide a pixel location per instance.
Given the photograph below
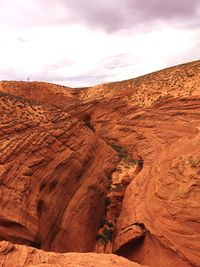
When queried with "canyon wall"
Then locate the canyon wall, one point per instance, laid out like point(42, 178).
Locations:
point(53, 174)
point(134, 144)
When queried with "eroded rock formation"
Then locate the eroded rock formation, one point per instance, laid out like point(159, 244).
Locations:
point(20, 256)
point(56, 160)
point(53, 174)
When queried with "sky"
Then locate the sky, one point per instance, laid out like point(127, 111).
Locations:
point(86, 42)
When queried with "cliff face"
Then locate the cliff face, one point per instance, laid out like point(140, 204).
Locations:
point(123, 155)
point(53, 174)
point(164, 196)
point(20, 256)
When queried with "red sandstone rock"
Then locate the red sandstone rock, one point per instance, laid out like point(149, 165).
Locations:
point(53, 175)
point(53, 166)
point(21, 256)
point(164, 197)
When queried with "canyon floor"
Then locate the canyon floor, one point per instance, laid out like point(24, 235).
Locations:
point(101, 176)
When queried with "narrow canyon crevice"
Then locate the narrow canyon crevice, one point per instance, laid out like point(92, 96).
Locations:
point(127, 170)
point(71, 168)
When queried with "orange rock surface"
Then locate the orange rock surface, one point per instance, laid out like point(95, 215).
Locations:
point(58, 153)
point(20, 256)
point(53, 174)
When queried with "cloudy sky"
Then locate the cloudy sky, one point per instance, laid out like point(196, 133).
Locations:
point(86, 42)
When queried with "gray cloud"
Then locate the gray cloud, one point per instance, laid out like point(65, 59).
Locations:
point(112, 15)
point(164, 9)
point(116, 15)
point(116, 61)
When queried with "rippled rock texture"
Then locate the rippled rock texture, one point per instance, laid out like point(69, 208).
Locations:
point(20, 256)
point(53, 174)
point(59, 161)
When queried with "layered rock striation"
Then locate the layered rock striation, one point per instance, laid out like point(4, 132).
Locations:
point(53, 174)
point(59, 163)
point(20, 256)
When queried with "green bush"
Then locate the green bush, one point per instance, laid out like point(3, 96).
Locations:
point(107, 236)
point(117, 148)
point(194, 163)
point(108, 233)
point(98, 237)
point(110, 224)
point(107, 201)
point(122, 151)
point(102, 223)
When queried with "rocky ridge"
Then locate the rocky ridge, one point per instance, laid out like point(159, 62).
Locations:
point(152, 209)
point(18, 255)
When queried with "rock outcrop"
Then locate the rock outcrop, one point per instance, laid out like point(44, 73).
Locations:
point(21, 256)
point(53, 175)
point(63, 156)
point(164, 197)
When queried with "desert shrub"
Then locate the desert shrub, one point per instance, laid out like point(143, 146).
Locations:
point(122, 151)
point(102, 223)
point(109, 177)
point(107, 201)
point(106, 236)
point(110, 224)
point(117, 148)
point(108, 233)
point(101, 238)
point(194, 163)
point(98, 237)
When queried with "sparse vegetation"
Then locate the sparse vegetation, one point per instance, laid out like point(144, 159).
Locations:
point(108, 233)
point(99, 237)
point(106, 236)
point(122, 151)
point(102, 223)
point(194, 163)
point(110, 224)
point(107, 201)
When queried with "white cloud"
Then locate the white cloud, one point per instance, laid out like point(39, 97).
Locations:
point(77, 55)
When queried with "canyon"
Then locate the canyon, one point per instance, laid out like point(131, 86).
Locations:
point(101, 175)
